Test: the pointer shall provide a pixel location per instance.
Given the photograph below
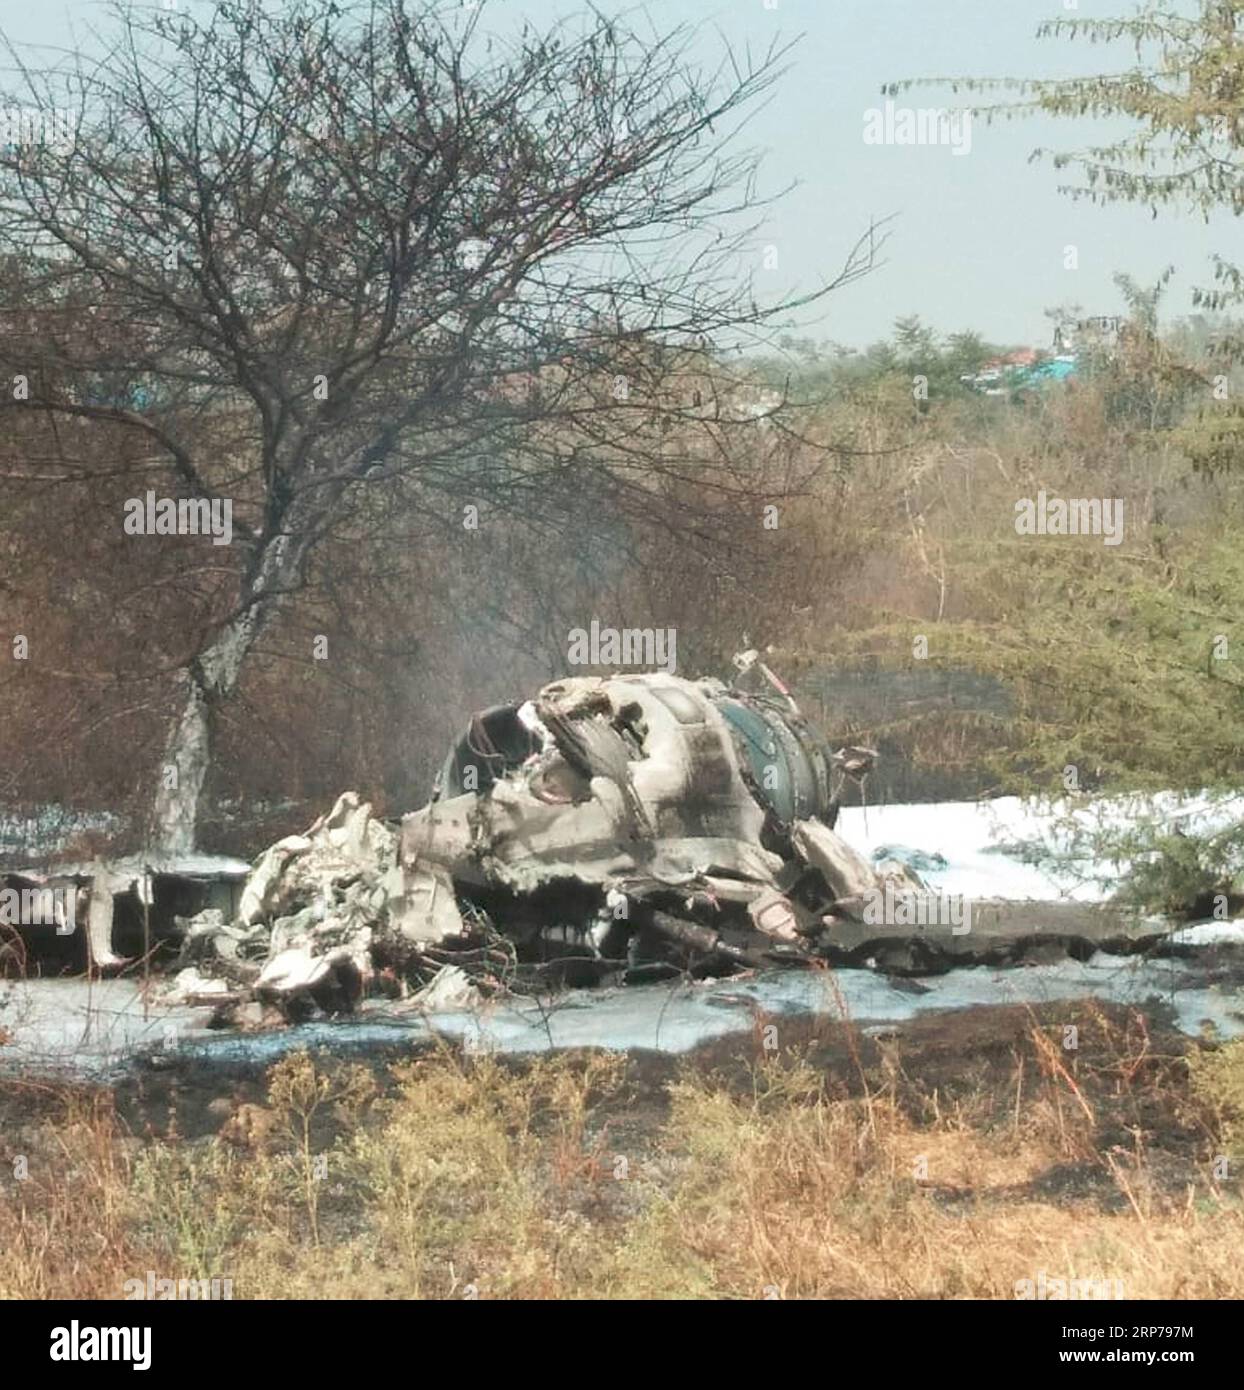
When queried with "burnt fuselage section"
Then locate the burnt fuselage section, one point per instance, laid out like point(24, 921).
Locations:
point(644, 812)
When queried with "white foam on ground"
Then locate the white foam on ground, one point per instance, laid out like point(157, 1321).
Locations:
point(1210, 934)
point(94, 1027)
point(971, 836)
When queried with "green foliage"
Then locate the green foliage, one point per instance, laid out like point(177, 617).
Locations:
point(1172, 872)
point(1123, 665)
point(1130, 670)
point(1145, 382)
point(1218, 1080)
point(1180, 97)
point(1213, 438)
point(1126, 662)
point(1162, 860)
point(912, 351)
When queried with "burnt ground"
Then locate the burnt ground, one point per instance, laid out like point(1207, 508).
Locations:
point(948, 1156)
point(1128, 1070)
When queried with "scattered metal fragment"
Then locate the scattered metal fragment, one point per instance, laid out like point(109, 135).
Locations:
point(605, 829)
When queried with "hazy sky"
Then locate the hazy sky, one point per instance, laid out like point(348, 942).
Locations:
point(979, 237)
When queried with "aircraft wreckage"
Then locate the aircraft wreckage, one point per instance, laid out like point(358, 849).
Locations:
point(619, 827)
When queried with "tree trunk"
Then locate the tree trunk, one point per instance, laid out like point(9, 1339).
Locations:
point(210, 679)
point(182, 773)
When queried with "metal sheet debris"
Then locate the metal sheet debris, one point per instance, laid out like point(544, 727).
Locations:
point(605, 830)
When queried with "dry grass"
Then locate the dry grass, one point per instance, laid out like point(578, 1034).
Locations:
point(787, 1195)
point(453, 1177)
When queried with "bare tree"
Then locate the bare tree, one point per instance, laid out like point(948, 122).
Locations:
point(355, 246)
